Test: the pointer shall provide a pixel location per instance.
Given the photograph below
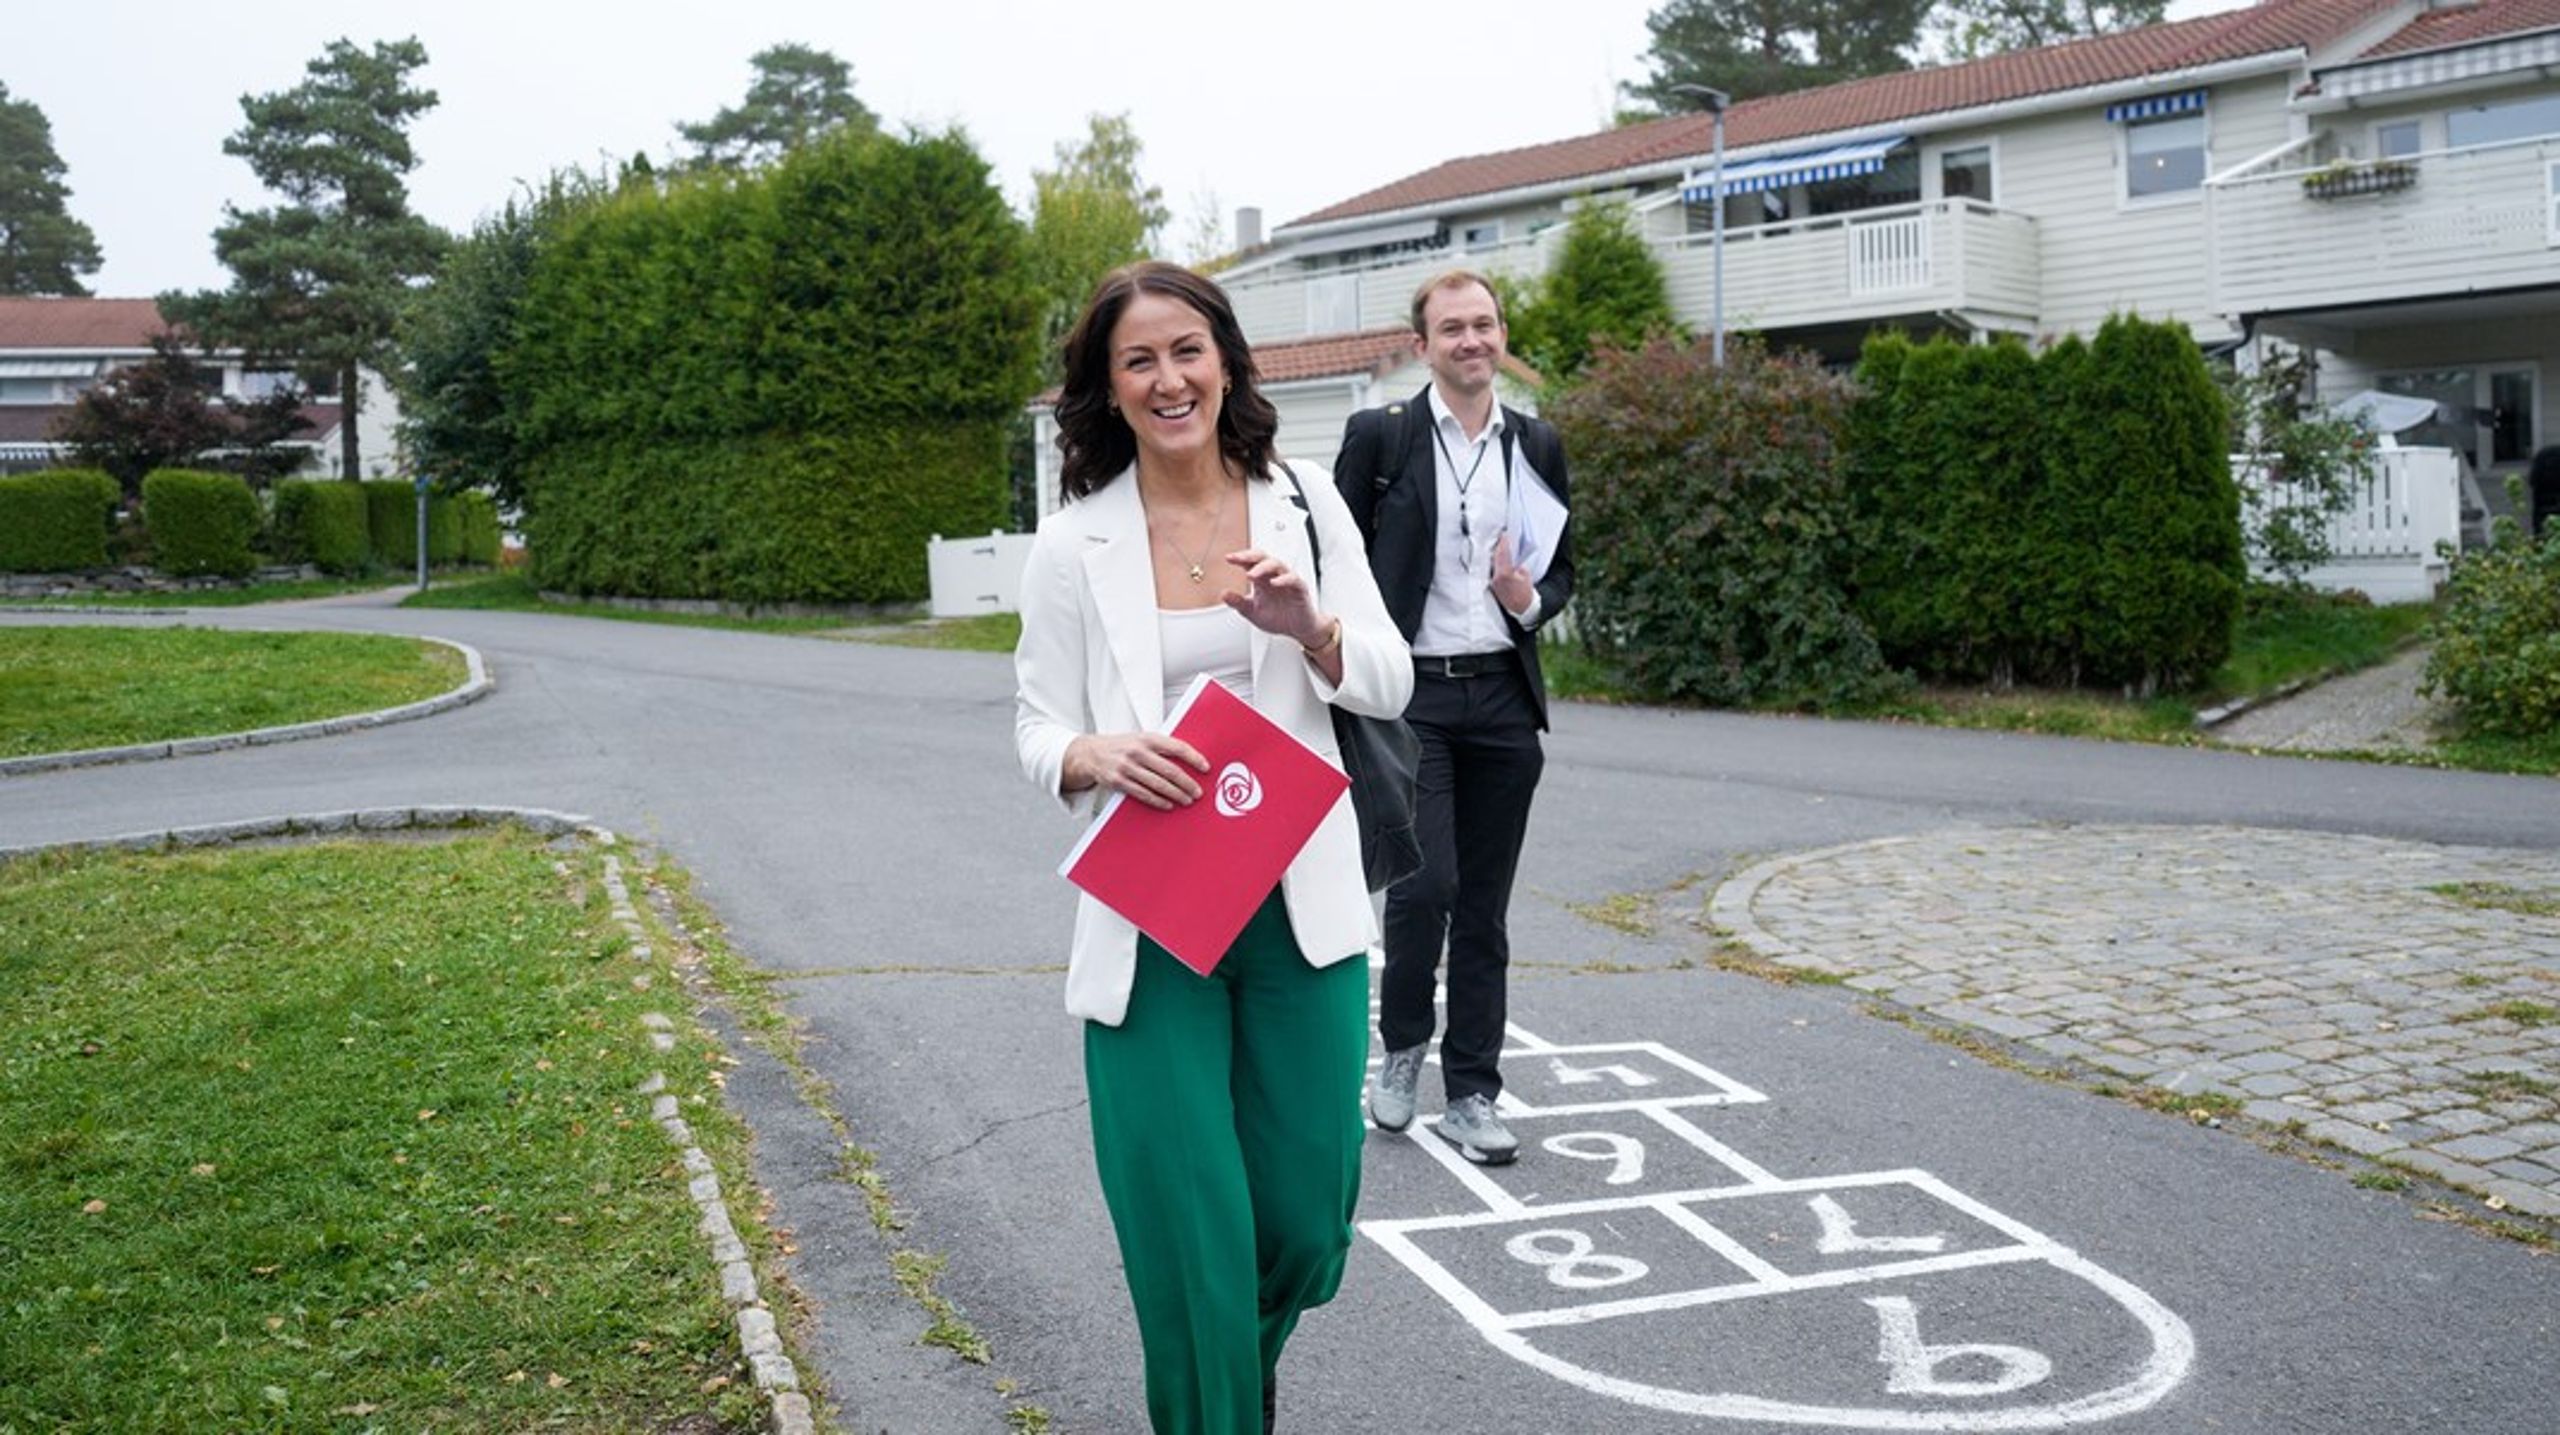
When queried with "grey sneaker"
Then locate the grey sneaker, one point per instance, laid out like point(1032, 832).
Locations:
point(1391, 1094)
point(1470, 1125)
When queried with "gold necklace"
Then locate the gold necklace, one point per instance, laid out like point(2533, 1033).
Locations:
point(1198, 567)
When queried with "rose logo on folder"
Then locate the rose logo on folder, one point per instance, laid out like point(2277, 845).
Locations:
point(1193, 876)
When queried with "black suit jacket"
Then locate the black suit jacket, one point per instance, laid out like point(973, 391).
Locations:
point(1400, 519)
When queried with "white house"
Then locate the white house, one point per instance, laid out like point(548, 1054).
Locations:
point(2179, 171)
point(53, 349)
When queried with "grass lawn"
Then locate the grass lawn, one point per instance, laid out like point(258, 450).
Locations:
point(280, 1154)
point(221, 597)
point(515, 593)
point(68, 688)
point(979, 633)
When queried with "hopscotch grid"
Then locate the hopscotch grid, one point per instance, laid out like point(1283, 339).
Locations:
point(2164, 1367)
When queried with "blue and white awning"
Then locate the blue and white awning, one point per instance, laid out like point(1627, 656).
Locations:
point(2153, 106)
point(1807, 167)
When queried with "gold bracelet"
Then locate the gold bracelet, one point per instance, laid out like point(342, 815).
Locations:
point(1328, 645)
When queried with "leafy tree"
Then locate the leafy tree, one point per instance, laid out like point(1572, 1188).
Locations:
point(318, 283)
point(1090, 215)
point(460, 421)
point(1749, 48)
point(1606, 287)
point(799, 93)
point(2307, 461)
point(1971, 29)
point(167, 410)
point(43, 250)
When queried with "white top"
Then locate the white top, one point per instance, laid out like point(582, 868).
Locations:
point(1215, 640)
point(1461, 615)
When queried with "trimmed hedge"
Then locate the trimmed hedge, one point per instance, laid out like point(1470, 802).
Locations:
point(479, 517)
point(324, 523)
point(444, 531)
point(391, 520)
point(774, 387)
point(202, 524)
point(2070, 518)
point(56, 521)
point(1711, 523)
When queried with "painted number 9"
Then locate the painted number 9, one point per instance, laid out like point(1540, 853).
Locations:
point(1625, 1151)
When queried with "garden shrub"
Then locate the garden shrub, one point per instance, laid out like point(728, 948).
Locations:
point(444, 531)
point(1711, 515)
point(1606, 287)
point(2497, 641)
point(325, 523)
point(56, 521)
point(202, 524)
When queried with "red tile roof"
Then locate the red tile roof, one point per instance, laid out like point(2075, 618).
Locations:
point(1371, 351)
point(2272, 27)
point(79, 323)
point(2460, 26)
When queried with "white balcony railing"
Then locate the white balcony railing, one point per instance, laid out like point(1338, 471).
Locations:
point(2448, 222)
point(1899, 259)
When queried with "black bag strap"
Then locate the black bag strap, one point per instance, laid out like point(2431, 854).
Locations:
point(1315, 545)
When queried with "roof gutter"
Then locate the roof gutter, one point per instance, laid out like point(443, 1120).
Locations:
point(2276, 62)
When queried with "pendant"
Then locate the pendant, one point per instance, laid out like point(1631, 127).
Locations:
point(1195, 572)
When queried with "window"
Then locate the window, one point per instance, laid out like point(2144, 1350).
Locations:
point(2488, 412)
point(2506, 120)
point(258, 383)
point(1965, 174)
point(2551, 202)
point(2164, 156)
point(1481, 236)
point(2397, 140)
point(26, 391)
point(1333, 304)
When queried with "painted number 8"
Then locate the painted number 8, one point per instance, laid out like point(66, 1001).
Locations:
point(1574, 1267)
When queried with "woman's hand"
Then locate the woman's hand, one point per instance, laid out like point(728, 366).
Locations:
point(1277, 600)
point(1148, 766)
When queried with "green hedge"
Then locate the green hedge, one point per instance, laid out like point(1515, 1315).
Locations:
point(1711, 526)
point(444, 531)
point(2069, 518)
point(774, 387)
point(479, 518)
point(322, 522)
point(56, 521)
point(202, 524)
point(391, 520)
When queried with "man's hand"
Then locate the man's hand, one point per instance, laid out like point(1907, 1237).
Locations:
point(1511, 585)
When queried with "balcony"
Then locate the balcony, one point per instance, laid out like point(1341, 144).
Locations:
point(2437, 225)
point(1840, 268)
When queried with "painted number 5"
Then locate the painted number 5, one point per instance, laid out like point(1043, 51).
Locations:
point(1625, 1151)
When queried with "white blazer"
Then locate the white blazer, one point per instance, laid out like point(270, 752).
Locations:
point(1091, 660)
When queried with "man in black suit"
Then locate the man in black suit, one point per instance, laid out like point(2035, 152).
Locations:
point(1439, 485)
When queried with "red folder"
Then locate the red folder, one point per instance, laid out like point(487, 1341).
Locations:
point(1191, 877)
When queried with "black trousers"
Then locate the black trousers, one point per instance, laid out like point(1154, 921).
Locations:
point(1480, 764)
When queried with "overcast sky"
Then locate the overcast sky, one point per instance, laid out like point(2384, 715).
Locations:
point(1288, 106)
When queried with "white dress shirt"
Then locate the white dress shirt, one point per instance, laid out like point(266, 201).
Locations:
point(1461, 615)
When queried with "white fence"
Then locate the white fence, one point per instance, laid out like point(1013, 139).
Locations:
point(977, 575)
point(2384, 543)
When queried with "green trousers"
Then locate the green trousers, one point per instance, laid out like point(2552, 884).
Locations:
point(1226, 1124)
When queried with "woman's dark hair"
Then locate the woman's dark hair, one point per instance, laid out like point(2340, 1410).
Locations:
point(1096, 443)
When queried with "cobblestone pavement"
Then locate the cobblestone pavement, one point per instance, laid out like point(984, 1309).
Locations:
point(2400, 999)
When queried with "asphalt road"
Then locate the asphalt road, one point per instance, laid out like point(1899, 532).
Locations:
point(1764, 1209)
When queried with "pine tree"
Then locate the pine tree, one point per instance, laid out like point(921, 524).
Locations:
point(799, 93)
point(318, 283)
point(1749, 48)
point(43, 250)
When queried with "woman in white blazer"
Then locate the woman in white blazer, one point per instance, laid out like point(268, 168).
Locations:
point(1226, 1123)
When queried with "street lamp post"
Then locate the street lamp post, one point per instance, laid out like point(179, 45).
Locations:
point(1714, 102)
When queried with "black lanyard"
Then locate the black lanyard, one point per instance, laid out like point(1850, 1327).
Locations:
point(1464, 484)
